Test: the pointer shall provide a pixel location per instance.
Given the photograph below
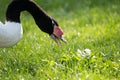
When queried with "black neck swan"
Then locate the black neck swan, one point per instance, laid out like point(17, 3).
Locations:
point(11, 32)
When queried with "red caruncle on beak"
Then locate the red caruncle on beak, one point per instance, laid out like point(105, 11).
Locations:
point(57, 31)
point(57, 35)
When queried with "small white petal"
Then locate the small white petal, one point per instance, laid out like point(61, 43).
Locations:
point(22, 78)
point(79, 51)
point(94, 57)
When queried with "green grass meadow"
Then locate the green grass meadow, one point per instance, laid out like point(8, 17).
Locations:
point(87, 24)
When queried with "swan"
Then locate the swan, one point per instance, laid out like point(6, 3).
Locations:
point(11, 32)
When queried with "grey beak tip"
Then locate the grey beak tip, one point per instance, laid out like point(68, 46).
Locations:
point(56, 40)
point(65, 41)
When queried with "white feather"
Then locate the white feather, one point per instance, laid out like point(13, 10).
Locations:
point(10, 34)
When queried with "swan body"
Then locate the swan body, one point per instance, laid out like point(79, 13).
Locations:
point(10, 33)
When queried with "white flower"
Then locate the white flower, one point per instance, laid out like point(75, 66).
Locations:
point(87, 51)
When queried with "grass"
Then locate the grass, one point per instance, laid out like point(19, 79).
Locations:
point(92, 24)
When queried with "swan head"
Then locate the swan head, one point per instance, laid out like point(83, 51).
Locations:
point(57, 34)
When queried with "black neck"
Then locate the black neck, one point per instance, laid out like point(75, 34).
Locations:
point(41, 18)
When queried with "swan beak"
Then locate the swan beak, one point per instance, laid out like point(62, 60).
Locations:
point(58, 39)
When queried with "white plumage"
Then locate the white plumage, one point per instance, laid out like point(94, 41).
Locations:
point(10, 33)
